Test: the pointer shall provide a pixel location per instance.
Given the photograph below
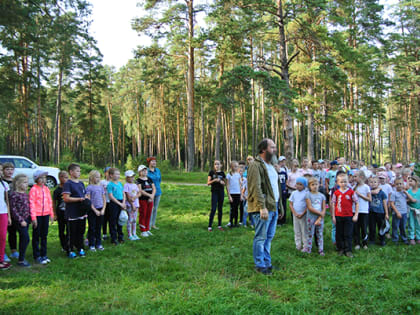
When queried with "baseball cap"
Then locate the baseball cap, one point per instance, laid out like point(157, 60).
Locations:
point(129, 173)
point(39, 173)
point(282, 158)
point(398, 165)
point(320, 161)
point(141, 167)
point(412, 164)
point(106, 169)
point(333, 163)
point(382, 175)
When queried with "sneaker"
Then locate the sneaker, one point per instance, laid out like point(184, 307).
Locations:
point(209, 229)
point(86, 242)
point(100, 247)
point(72, 255)
point(92, 248)
point(5, 265)
point(383, 243)
point(150, 233)
point(357, 247)
point(412, 242)
point(144, 234)
point(23, 264)
point(365, 247)
point(121, 241)
point(220, 228)
point(14, 255)
point(155, 227)
point(406, 242)
point(321, 253)
point(306, 251)
point(349, 254)
point(82, 253)
point(264, 271)
point(340, 253)
point(41, 261)
point(6, 258)
point(136, 238)
point(104, 237)
point(229, 225)
point(46, 259)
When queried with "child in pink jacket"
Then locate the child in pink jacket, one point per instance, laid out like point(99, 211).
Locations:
point(40, 203)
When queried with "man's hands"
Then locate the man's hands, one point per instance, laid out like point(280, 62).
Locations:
point(264, 214)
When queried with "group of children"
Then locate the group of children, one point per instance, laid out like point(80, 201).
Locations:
point(360, 199)
point(103, 203)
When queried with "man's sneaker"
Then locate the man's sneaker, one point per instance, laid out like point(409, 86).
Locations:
point(100, 247)
point(365, 247)
point(144, 234)
point(5, 265)
point(23, 264)
point(72, 255)
point(41, 261)
point(349, 254)
point(82, 253)
point(357, 247)
point(46, 259)
point(92, 248)
point(150, 233)
point(14, 255)
point(6, 258)
point(220, 228)
point(264, 271)
point(209, 229)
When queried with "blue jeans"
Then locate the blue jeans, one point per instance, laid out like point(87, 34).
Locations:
point(264, 233)
point(154, 211)
point(245, 216)
point(399, 224)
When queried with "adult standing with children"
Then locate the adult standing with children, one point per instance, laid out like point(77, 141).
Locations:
point(264, 194)
point(154, 174)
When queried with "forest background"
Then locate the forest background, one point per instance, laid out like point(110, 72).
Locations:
point(322, 78)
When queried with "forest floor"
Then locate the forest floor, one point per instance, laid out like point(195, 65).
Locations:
point(184, 269)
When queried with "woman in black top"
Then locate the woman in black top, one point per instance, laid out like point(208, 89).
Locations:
point(216, 179)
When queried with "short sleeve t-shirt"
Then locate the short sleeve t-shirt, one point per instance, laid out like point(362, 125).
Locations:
point(132, 190)
point(416, 196)
point(74, 190)
point(292, 176)
point(234, 183)
point(331, 177)
point(58, 199)
point(316, 202)
point(299, 200)
point(387, 189)
point(116, 189)
point(216, 186)
point(4, 187)
point(344, 202)
point(96, 193)
point(400, 201)
point(283, 179)
point(363, 204)
point(146, 185)
point(274, 180)
point(377, 204)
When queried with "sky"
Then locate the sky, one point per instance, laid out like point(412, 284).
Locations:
point(111, 27)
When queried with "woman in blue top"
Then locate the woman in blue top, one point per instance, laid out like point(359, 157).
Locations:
point(154, 174)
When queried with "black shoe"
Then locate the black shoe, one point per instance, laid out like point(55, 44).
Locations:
point(264, 271)
point(340, 252)
point(349, 254)
point(383, 243)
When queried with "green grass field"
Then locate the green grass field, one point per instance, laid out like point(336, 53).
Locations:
point(183, 269)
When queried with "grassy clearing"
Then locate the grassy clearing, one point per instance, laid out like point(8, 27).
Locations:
point(179, 176)
point(183, 269)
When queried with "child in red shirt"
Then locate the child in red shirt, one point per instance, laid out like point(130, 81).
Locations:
point(342, 216)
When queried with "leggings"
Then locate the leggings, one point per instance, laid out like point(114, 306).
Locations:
point(234, 205)
point(217, 198)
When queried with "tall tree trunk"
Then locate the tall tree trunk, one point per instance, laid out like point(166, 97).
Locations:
point(58, 118)
point(190, 86)
point(289, 141)
point(111, 132)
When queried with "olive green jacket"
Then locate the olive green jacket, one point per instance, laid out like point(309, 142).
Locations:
point(260, 192)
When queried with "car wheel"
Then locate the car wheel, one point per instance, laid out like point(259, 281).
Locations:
point(51, 182)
